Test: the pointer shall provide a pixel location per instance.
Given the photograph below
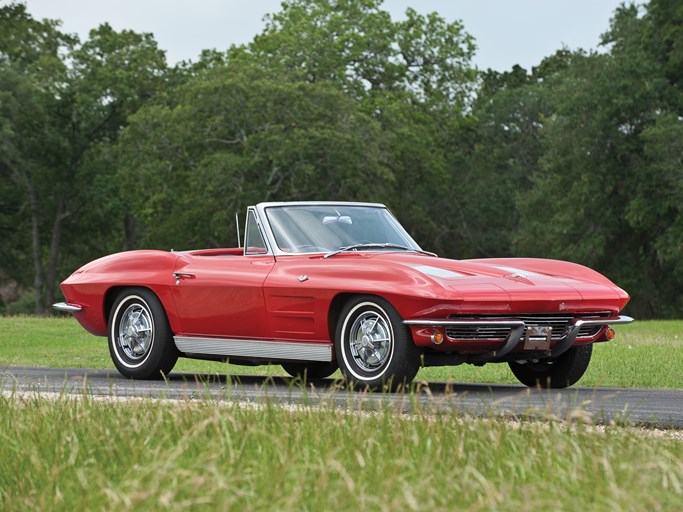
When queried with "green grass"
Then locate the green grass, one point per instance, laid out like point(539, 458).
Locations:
point(83, 454)
point(646, 354)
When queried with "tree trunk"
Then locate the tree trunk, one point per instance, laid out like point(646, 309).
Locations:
point(130, 233)
point(37, 259)
point(51, 281)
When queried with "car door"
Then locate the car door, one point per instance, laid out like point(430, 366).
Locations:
point(221, 294)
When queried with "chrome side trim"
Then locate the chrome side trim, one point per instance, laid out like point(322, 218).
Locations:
point(613, 320)
point(69, 308)
point(258, 349)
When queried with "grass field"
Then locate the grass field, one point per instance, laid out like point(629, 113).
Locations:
point(645, 354)
point(81, 454)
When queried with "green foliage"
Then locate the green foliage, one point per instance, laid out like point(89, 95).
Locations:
point(233, 137)
point(355, 43)
point(62, 107)
point(606, 187)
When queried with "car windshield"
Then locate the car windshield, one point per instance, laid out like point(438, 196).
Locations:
point(322, 228)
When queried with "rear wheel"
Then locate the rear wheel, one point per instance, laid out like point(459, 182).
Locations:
point(140, 340)
point(372, 345)
point(560, 372)
point(310, 370)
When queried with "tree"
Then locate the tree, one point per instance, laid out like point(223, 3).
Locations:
point(606, 192)
point(356, 44)
point(62, 105)
point(413, 76)
point(31, 73)
point(236, 136)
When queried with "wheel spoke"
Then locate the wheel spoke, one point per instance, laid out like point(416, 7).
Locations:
point(374, 353)
point(135, 331)
point(370, 329)
point(370, 341)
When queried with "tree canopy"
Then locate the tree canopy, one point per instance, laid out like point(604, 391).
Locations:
point(104, 147)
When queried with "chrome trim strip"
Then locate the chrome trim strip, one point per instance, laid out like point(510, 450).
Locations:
point(317, 203)
point(613, 320)
point(258, 349)
point(68, 308)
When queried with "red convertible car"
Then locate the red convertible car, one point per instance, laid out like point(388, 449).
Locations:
point(323, 285)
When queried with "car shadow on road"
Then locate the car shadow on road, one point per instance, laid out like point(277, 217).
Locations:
point(331, 384)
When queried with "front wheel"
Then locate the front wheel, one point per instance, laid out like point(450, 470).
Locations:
point(561, 372)
point(140, 340)
point(373, 347)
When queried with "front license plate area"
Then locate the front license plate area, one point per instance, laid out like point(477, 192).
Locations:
point(537, 337)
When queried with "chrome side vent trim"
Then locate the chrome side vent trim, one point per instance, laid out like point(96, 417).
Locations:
point(258, 349)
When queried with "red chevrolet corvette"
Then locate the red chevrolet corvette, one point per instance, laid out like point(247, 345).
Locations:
point(323, 285)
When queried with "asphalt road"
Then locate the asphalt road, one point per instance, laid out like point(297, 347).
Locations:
point(649, 407)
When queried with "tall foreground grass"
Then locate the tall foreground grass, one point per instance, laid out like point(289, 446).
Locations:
point(81, 454)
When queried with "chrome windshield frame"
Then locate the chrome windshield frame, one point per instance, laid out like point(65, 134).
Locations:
point(270, 236)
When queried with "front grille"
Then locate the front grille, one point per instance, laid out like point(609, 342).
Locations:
point(476, 332)
point(559, 323)
point(588, 331)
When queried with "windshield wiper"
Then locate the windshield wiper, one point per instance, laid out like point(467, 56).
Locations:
point(387, 245)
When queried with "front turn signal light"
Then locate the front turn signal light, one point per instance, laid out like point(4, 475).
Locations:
point(610, 334)
point(437, 338)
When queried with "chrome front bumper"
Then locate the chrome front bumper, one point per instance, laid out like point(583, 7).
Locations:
point(518, 329)
point(67, 308)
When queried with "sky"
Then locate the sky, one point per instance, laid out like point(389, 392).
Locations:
point(507, 32)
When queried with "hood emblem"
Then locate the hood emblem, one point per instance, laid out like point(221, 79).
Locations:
point(518, 277)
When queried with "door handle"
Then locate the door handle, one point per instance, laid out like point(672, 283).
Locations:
point(179, 275)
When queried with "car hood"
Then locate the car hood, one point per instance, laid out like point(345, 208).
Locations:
point(515, 279)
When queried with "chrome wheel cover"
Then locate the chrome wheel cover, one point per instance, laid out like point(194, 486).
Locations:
point(370, 341)
point(136, 332)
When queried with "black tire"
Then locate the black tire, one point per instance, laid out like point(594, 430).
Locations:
point(373, 347)
point(560, 372)
point(140, 339)
point(311, 370)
